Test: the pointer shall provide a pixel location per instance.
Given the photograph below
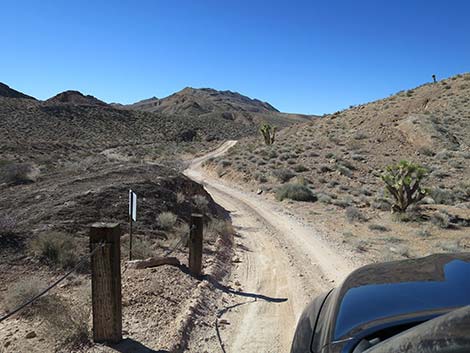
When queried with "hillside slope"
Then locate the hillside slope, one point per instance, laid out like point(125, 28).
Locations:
point(6, 91)
point(341, 157)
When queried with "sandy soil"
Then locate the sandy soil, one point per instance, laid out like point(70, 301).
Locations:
point(281, 263)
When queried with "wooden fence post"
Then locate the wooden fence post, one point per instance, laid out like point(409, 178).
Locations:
point(195, 244)
point(106, 282)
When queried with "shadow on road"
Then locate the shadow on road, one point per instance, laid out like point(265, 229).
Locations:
point(226, 289)
point(129, 345)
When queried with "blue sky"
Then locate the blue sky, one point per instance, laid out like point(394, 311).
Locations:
point(301, 56)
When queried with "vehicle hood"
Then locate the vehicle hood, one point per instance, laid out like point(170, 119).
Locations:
point(402, 289)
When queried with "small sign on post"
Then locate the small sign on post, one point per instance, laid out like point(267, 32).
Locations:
point(132, 217)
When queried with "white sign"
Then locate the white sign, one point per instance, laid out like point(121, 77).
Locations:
point(133, 205)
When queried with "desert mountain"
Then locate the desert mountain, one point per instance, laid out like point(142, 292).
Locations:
point(207, 102)
point(69, 124)
point(6, 91)
point(75, 97)
point(202, 101)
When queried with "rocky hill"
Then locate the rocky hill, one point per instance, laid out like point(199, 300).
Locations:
point(75, 97)
point(209, 103)
point(341, 157)
point(72, 126)
point(429, 124)
point(6, 91)
point(201, 101)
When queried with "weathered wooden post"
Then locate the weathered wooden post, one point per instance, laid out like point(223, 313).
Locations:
point(195, 244)
point(106, 282)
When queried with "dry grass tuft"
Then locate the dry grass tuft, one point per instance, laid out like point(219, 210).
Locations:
point(55, 248)
point(167, 220)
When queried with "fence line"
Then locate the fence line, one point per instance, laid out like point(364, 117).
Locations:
point(40, 294)
point(178, 245)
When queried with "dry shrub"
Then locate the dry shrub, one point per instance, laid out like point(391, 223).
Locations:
point(55, 248)
point(67, 323)
point(22, 291)
point(354, 215)
point(201, 203)
point(219, 227)
point(296, 192)
point(167, 220)
point(142, 248)
point(18, 173)
point(441, 219)
point(180, 198)
point(378, 227)
point(7, 225)
point(283, 175)
point(180, 233)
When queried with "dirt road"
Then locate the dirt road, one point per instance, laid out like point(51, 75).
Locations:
point(280, 265)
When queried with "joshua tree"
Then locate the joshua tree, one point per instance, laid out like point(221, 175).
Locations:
point(402, 181)
point(268, 132)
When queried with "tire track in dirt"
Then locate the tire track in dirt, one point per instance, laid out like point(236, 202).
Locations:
point(280, 257)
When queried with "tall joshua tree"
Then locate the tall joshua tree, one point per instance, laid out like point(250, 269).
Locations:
point(268, 132)
point(403, 182)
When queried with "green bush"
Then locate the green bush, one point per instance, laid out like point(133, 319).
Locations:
point(403, 182)
point(296, 192)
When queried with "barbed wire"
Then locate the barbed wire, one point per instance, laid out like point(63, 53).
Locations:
point(40, 294)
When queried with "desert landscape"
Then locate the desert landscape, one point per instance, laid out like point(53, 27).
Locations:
point(285, 218)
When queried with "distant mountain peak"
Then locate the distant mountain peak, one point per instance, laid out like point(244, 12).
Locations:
point(6, 91)
point(75, 97)
point(196, 101)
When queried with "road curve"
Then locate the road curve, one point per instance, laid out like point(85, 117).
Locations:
point(279, 257)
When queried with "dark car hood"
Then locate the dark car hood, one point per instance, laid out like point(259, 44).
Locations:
point(378, 292)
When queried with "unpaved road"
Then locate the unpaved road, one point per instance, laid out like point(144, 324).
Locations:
point(282, 265)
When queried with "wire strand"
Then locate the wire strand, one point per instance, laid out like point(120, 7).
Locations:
point(40, 294)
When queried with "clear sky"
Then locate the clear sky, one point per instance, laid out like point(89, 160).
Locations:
point(301, 56)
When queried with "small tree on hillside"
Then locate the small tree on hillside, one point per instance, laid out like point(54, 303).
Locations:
point(268, 132)
point(403, 181)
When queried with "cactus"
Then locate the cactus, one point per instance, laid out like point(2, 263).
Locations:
point(268, 132)
point(403, 181)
